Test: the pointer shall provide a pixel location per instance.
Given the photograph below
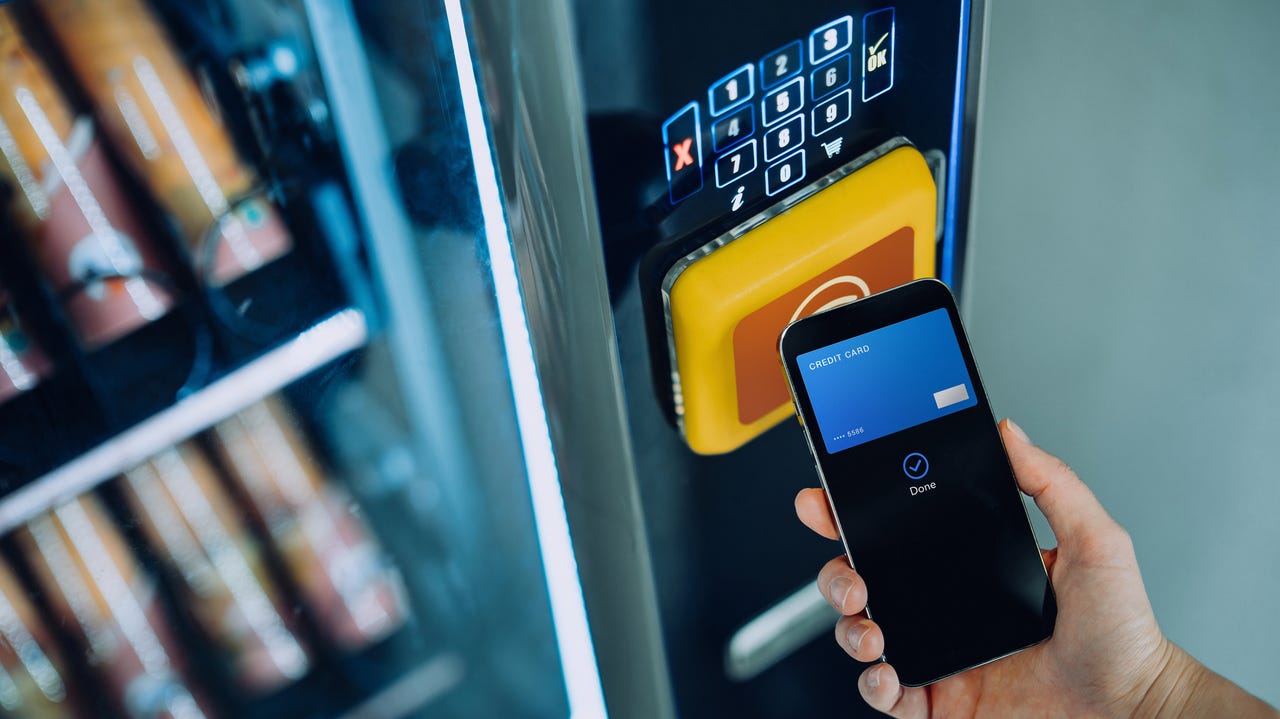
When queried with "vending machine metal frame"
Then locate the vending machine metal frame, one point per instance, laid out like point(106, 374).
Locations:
point(539, 139)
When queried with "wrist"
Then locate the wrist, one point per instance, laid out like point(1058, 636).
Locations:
point(1172, 684)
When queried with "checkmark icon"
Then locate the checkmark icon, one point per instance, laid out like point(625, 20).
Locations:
point(915, 465)
point(876, 47)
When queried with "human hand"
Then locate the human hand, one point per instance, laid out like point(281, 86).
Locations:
point(1107, 656)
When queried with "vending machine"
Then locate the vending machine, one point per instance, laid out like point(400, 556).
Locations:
point(418, 358)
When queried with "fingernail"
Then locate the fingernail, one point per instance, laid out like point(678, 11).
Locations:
point(840, 588)
point(855, 635)
point(1013, 427)
point(873, 677)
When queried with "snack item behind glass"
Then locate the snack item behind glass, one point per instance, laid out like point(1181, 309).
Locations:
point(22, 364)
point(187, 515)
point(95, 587)
point(83, 233)
point(32, 674)
point(355, 594)
point(156, 116)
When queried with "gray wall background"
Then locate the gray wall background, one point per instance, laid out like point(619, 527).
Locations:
point(1122, 294)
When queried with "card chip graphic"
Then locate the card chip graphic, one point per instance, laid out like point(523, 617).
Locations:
point(950, 396)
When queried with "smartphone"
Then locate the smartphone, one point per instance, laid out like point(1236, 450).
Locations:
point(918, 480)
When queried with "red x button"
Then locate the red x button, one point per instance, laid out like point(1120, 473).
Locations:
point(681, 150)
point(682, 140)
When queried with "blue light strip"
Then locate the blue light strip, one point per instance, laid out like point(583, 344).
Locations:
point(948, 270)
point(568, 608)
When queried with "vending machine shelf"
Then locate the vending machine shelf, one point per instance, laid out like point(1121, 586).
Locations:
point(414, 691)
point(327, 340)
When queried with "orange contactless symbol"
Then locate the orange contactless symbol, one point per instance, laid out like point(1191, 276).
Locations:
point(760, 385)
point(843, 238)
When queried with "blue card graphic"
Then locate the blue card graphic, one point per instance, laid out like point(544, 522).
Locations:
point(887, 380)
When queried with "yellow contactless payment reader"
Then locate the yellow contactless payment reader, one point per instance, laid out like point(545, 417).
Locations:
point(865, 228)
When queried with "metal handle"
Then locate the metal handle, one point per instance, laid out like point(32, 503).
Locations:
point(777, 632)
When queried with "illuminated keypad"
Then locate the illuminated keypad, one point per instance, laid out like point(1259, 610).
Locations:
point(770, 95)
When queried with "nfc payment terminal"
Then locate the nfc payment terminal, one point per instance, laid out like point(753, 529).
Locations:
point(866, 227)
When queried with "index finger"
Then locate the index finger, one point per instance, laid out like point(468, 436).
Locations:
point(815, 512)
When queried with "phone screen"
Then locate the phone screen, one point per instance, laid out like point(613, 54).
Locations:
point(920, 484)
point(914, 374)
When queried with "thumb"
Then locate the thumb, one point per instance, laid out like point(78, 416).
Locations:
point(1067, 503)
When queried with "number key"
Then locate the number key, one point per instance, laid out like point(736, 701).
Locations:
point(784, 138)
point(784, 173)
point(781, 64)
point(830, 40)
point(732, 129)
point(732, 90)
point(830, 113)
point(736, 164)
point(780, 103)
point(831, 77)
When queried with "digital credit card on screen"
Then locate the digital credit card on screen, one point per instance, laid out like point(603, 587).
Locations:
point(886, 380)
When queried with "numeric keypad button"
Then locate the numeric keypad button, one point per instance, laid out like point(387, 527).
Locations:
point(784, 173)
point(732, 90)
point(784, 138)
point(829, 113)
point(736, 164)
point(732, 129)
point(781, 64)
point(831, 77)
point(830, 40)
point(780, 103)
